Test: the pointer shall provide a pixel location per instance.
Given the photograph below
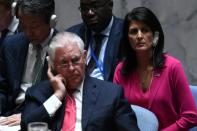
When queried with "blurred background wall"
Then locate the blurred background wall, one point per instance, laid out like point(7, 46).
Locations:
point(178, 19)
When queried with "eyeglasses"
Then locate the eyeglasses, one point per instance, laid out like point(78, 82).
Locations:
point(92, 7)
point(75, 61)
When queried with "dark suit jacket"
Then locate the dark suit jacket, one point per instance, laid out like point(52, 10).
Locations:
point(112, 52)
point(18, 30)
point(12, 62)
point(103, 108)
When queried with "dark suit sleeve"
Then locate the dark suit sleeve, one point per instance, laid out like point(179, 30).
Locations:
point(3, 94)
point(33, 111)
point(125, 118)
point(3, 83)
point(3, 101)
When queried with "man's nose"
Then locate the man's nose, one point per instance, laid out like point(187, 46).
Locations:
point(90, 12)
point(71, 67)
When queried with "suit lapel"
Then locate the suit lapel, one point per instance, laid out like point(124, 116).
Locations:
point(23, 49)
point(85, 34)
point(90, 94)
point(45, 67)
point(112, 48)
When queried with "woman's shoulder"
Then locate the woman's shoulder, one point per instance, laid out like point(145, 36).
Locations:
point(171, 60)
point(120, 65)
point(118, 71)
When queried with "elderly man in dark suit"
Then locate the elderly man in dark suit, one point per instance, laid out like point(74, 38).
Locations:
point(101, 32)
point(73, 101)
point(22, 59)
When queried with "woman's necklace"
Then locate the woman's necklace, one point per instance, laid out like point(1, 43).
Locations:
point(146, 78)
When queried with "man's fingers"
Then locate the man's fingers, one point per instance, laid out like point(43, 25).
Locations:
point(2, 120)
point(49, 73)
point(7, 121)
point(14, 123)
point(11, 120)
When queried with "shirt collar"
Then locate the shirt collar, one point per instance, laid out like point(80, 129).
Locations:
point(80, 87)
point(13, 25)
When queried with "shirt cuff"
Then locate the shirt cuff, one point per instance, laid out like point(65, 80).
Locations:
point(52, 105)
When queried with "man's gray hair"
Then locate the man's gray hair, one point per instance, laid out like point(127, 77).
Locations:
point(62, 39)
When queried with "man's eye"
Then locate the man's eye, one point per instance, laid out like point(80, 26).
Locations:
point(75, 60)
point(64, 62)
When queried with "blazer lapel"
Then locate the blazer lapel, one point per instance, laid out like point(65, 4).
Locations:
point(112, 48)
point(85, 34)
point(45, 68)
point(90, 94)
point(23, 49)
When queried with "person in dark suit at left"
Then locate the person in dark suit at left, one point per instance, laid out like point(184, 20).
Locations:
point(22, 59)
point(9, 24)
point(73, 101)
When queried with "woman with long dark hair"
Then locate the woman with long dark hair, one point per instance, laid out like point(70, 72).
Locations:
point(151, 78)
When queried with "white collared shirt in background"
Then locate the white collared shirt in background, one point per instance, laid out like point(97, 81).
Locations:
point(13, 26)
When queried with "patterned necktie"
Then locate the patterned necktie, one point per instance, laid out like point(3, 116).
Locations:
point(70, 114)
point(96, 48)
point(37, 70)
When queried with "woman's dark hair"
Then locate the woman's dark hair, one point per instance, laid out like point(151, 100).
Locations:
point(42, 8)
point(146, 16)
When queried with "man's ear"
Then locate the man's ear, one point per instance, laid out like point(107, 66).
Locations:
point(84, 55)
point(50, 61)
